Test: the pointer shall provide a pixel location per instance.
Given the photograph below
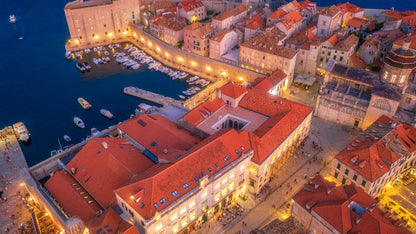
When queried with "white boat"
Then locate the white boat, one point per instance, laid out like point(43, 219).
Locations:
point(79, 122)
point(80, 67)
point(68, 54)
point(12, 19)
point(100, 60)
point(86, 65)
point(95, 61)
point(95, 132)
point(67, 138)
point(181, 96)
point(107, 114)
point(87, 50)
point(21, 132)
point(135, 66)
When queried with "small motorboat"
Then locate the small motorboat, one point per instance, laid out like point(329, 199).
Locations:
point(67, 138)
point(95, 132)
point(86, 65)
point(107, 114)
point(68, 54)
point(181, 96)
point(79, 122)
point(80, 67)
point(12, 19)
point(86, 105)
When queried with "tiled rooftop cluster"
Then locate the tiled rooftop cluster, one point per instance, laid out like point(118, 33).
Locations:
point(233, 12)
point(373, 152)
point(190, 5)
point(346, 208)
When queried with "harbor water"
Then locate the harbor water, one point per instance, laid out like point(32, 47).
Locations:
point(39, 87)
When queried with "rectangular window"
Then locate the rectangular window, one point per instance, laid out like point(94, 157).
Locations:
point(346, 171)
point(338, 166)
point(343, 180)
point(336, 175)
point(363, 183)
point(354, 177)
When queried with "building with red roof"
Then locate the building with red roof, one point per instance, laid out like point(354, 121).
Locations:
point(167, 28)
point(356, 25)
point(227, 19)
point(403, 20)
point(324, 208)
point(329, 21)
point(377, 156)
point(275, 125)
point(192, 10)
point(350, 11)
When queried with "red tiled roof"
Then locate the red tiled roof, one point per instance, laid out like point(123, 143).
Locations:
point(159, 183)
point(370, 157)
point(190, 5)
point(269, 82)
point(285, 117)
point(293, 17)
point(131, 230)
point(161, 134)
point(412, 39)
point(357, 22)
point(409, 17)
point(336, 207)
point(357, 62)
point(254, 22)
point(109, 221)
point(232, 90)
point(71, 196)
point(198, 114)
point(349, 7)
point(277, 14)
point(103, 170)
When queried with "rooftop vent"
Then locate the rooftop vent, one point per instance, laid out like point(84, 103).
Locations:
point(104, 144)
point(165, 151)
point(73, 170)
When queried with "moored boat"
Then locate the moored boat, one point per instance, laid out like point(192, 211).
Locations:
point(68, 54)
point(80, 67)
point(12, 18)
point(86, 65)
point(67, 138)
point(78, 121)
point(95, 132)
point(21, 132)
point(86, 105)
point(107, 114)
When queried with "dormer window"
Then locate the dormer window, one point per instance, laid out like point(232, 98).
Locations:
point(226, 159)
point(185, 186)
point(156, 205)
point(162, 201)
point(174, 193)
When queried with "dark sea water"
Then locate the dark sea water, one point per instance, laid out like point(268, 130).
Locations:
point(40, 87)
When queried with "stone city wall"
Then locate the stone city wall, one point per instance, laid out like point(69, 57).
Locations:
point(189, 62)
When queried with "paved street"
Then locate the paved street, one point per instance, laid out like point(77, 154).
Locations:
point(13, 212)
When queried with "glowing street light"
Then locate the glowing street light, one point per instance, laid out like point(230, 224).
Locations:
point(134, 34)
point(110, 34)
point(96, 37)
point(150, 44)
point(125, 32)
point(142, 39)
point(209, 68)
point(180, 59)
point(193, 64)
point(158, 49)
point(167, 55)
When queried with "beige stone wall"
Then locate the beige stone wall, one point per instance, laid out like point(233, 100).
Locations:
point(102, 23)
point(192, 63)
point(379, 106)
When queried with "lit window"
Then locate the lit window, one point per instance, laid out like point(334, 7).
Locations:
point(224, 191)
point(175, 227)
point(253, 170)
point(231, 175)
point(191, 204)
point(192, 215)
point(184, 221)
point(205, 193)
point(174, 216)
point(242, 167)
point(217, 186)
point(217, 196)
point(158, 227)
point(224, 181)
point(183, 209)
point(231, 186)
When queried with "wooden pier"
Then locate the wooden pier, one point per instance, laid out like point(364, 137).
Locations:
point(149, 96)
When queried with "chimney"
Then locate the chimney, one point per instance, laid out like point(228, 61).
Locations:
point(165, 151)
point(316, 186)
point(73, 170)
point(406, 44)
point(372, 207)
point(104, 144)
point(328, 191)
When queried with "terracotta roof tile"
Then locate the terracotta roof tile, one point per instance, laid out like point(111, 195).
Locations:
point(103, 170)
point(71, 196)
point(199, 113)
point(349, 7)
point(232, 90)
point(161, 134)
point(277, 14)
point(357, 22)
point(266, 83)
point(109, 221)
point(342, 206)
point(347, 43)
point(331, 11)
point(162, 4)
point(190, 5)
point(166, 179)
point(233, 12)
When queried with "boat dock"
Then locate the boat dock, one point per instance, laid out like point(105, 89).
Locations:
point(149, 96)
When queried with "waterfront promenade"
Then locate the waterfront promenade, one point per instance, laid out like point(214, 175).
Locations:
point(14, 215)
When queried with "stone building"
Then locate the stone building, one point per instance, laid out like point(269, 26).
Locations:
point(168, 29)
point(266, 53)
point(377, 156)
point(337, 47)
point(356, 25)
point(350, 11)
point(370, 50)
point(196, 38)
point(308, 47)
point(192, 10)
point(355, 97)
point(329, 21)
point(100, 21)
point(324, 208)
point(222, 42)
point(227, 19)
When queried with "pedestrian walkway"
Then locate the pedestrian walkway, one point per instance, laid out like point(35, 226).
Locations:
point(14, 214)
